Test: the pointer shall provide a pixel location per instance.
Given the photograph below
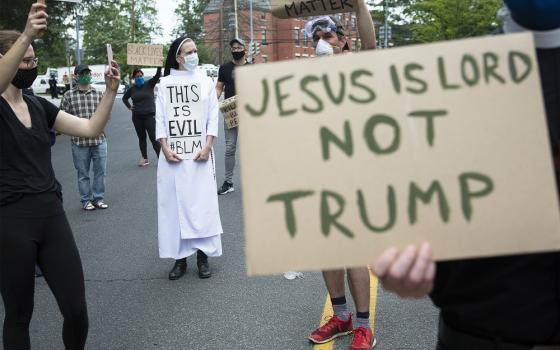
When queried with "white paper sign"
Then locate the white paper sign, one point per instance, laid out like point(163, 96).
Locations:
point(183, 105)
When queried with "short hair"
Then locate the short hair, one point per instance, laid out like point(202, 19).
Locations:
point(136, 71)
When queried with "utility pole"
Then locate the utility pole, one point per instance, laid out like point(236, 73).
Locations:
point(236, 24)
point(78, 53)
point(133, 20)
point(386, 41)
point(220, 34)
point(251, 27)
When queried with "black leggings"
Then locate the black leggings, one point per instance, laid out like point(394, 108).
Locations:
point(47, 241)
point(143, 124)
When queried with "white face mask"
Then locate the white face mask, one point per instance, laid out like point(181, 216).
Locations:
point(323, 49)
point(191, 62)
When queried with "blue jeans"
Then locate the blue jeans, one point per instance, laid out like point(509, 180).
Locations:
point(83, 157)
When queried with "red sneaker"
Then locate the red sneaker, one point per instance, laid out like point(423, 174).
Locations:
point(334, 328)
point(363, 339)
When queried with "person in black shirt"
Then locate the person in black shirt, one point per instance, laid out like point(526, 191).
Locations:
point(33, 225)
point(53, 86)
point(499, 303)
point(226, 81)
point(143, 111)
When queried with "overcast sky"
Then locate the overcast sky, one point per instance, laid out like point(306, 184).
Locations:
point(167, 20)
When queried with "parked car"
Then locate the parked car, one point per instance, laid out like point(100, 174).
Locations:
point(41, 86)
point(100, 86)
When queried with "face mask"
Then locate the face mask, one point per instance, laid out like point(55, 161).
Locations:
point(324, 48)
point(84, 79)
point(139, 81)
point(237, 55)
point(191, 62)
point(24, 78)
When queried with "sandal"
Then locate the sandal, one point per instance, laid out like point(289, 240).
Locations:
point(88, 206)
point(100, 204)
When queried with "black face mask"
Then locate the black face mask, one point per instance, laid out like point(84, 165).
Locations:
point(237, 55)
point(24, 78)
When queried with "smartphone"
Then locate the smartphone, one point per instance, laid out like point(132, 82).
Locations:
point(109, 55)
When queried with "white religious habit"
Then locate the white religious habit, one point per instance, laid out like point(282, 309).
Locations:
point(188, 213)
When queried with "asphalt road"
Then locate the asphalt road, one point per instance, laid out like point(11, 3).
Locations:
point(132, 304)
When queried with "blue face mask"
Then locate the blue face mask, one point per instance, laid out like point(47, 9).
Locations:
point(139, 81)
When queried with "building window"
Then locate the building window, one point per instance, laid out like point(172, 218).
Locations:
point(304, 40)
point(354, 46)
point(353, 23)
point(298, 55)
point(264, 58)
point(296, 36)
point(263, 36)
point(263, 15)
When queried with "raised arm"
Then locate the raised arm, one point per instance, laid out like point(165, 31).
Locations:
point(155, 78)
point(72, 125)
point(35, 27)
point(366, 30)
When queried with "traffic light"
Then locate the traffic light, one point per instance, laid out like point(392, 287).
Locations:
point(254, 48)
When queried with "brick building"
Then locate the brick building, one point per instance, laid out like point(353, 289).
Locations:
point(279, 39)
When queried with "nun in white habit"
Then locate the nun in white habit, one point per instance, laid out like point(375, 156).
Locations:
point(186, 126)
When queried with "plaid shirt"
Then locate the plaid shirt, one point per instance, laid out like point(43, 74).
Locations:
point(82, 104)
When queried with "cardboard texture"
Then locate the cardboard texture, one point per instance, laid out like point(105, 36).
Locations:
point(305, 8)
point(228, 107)
point(184, 108)
point(345, 156)
point(144, 55)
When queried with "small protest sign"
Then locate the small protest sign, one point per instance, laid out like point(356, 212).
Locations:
point(228, 107)
point(144, 55)
point(345, 156)
point(183, 105)
point(306, 8)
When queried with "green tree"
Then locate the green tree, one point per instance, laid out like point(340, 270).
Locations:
point(434, 20)
point(190, 18)
point(51, 47)
point(190, 22)
point(117, 22)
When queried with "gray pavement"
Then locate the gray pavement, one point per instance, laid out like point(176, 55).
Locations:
point(132, 304)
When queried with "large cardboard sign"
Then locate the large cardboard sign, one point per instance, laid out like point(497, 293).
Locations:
point(183, 105)
point(306, 8)
point(345, 156)
point(144, 55)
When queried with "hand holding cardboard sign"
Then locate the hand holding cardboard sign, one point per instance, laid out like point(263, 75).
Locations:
point(36, 21)
point(203, 155)
point(410, 273)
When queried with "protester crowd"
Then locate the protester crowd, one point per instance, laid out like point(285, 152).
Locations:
point(35, 230)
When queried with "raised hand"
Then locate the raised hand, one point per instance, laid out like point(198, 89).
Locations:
point(36, 21)
point(112, 77)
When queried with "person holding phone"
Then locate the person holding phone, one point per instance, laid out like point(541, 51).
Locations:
point(34, 227)
point(87, 152)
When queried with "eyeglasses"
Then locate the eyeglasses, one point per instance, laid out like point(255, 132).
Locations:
point(31, 62)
